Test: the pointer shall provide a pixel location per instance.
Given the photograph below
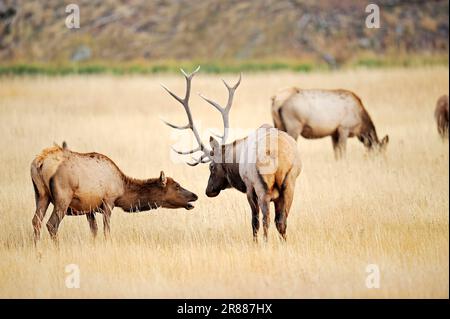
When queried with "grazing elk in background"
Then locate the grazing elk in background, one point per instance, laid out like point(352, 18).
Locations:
point(90, 183)
point(263, 165)
point(319, 113)
point(441, 116)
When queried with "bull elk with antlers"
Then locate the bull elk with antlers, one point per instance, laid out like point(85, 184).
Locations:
point(263, 165)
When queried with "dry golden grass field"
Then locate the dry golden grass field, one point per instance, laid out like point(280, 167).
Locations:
point(390, 210)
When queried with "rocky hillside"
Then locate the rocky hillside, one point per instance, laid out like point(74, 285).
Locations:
point(129, 30)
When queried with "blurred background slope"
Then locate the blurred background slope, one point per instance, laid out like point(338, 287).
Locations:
point(329, 32)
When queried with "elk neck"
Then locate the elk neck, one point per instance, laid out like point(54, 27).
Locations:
point(140, 195)
point(232, 156)
point(368, 128)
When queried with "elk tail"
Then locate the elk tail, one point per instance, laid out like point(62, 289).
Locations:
point(276, 113)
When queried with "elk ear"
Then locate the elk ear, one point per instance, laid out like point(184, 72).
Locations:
point(163, 179)
point(385, 140)
point(213, 143)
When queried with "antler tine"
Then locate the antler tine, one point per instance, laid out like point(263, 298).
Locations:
point(217, 106)
point(202, 159)
point(176, 97)
point(185, 102)
point(188, 78)
point(236, 85)
point(231, 91)
point(224, 111)
point(178, 127)
point(186, 152)
point(193, 164)
point(190, 75)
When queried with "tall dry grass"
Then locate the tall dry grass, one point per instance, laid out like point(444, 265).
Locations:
point(391, 211)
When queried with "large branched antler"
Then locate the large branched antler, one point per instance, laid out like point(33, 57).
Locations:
point(205, 157)
point(224, 111)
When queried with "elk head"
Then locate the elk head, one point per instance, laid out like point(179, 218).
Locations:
point(217, 179)
point(175, 196)
point(372, 143)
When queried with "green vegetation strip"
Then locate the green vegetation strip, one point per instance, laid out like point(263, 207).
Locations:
point(19, 69)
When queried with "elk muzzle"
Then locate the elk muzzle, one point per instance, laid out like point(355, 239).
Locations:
point(191, 197)
point(178, 197)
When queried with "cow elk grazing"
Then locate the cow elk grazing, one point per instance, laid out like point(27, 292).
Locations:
point(319, 113)
point(441, 116)
point(90, 183)
point(263, 165)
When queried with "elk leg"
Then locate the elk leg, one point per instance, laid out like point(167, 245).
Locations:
point(62, 197)
point(343, 135)
point(253, 201)
point(283, 206)
point(280, 216)
point(265, 208)
point(106, 219)
point(42, 202)
point(335, 141)
point(59, 211)
point(92, 224)
point(341, 143)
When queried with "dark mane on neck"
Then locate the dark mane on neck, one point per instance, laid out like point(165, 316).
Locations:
point(134, 184)
point(140, 195)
